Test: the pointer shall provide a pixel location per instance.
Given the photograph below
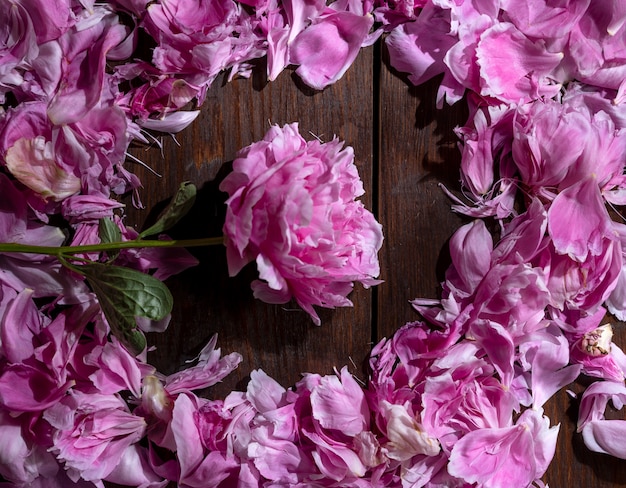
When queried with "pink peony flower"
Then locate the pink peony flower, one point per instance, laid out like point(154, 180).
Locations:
point(292, 208)
point(92, 433)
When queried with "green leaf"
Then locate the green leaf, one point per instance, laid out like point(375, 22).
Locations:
point(124, 294)
point(177, 209)
point(109, 232)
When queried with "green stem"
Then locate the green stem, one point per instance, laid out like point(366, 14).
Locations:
point(13, 247)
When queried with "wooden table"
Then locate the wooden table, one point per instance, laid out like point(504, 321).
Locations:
point(404, 149)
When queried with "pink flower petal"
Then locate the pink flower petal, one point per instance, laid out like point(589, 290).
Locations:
point(578, 221)
point(606, 436)
point(513, 68)
point(507, 457)
point(327, 48)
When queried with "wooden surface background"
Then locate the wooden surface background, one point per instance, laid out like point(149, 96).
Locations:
point(404, 149)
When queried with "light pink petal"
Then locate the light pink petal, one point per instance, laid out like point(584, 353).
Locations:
point(13, 450)
point(327, 48)
point(406, 437)
point(606, 436)
point(171, 123)
point(595, 399)
point(134, 470)
point(339, 403)
point(277, 460)
point(264, 392)
point(32, 162)
point(210, 369)
point(616, 303)
point(189, 448)
point(541, 19)
point(418, 47)
point(546, 355)
point(507, 457)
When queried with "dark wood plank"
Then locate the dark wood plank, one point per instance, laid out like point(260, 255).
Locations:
point(279, 339)
point(417, 153)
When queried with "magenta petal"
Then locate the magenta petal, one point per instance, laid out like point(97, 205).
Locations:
point(578, 221)
point(29, 389)
point(18, 328)
point(85, 75)
point(541, 19)
point(470, 249)
point(498, 344)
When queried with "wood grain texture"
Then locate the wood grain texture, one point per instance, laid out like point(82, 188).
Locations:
point(405, 149)
point(417, 154)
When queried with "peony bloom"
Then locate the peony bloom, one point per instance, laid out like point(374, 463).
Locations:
point(292, 208)
point(92, 433)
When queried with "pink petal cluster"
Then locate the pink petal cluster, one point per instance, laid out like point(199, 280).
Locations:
point(542, 153)
point(510, 53)
point(292, 209)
